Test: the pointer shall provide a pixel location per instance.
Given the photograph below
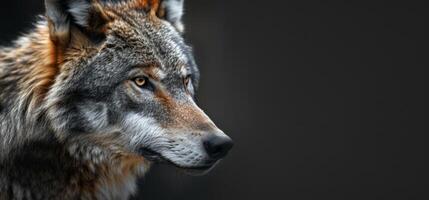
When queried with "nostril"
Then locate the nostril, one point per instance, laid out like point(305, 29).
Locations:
point(217, 147)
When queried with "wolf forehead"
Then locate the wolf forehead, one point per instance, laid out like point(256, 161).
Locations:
point(139, 40)
point(133, 39)
point(149, 42)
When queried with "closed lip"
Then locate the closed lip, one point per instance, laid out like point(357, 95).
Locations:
point(158, 158)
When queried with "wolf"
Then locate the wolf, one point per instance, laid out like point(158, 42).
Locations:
point(96, 93)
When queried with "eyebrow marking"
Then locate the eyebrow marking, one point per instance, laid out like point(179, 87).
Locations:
point(184, 71)
point(160, 73)
point(154, 73)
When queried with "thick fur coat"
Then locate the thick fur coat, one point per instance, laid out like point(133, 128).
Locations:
point(93, 95)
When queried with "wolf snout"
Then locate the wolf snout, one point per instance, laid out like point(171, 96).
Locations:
point(217, 147)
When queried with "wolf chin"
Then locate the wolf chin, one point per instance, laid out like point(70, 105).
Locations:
point(96, 93)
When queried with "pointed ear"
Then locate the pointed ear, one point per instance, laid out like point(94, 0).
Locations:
point(172, 11)
point(64, 14)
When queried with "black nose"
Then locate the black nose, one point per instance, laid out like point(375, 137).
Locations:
point(218, 146)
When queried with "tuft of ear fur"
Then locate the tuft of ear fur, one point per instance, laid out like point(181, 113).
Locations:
point(170, 10)
point(80, 10)
point(63, 14)
point(59, 25)
point(173, 12)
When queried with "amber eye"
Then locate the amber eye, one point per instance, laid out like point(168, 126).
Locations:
point(140, 81)
point(187, 80)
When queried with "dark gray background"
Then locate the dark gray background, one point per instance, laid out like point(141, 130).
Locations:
point(324, 100)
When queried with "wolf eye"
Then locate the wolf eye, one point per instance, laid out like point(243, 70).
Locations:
point(187, 81)
point(144, 83)
point(140, 81)
point(188, 84)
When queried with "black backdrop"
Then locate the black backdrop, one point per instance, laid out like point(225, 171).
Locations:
point(324, 100)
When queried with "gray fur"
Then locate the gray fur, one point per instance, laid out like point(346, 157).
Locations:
point(174, 9)
point(56, 143)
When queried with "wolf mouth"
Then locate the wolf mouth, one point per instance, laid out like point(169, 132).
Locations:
point(156, 157)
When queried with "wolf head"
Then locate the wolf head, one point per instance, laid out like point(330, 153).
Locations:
point(126, 78)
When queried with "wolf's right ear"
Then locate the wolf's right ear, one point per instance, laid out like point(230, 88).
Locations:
point(64, 14)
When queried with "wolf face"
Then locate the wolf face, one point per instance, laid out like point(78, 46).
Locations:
point(127, 76)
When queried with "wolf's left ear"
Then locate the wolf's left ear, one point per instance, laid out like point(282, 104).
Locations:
point(172, 11)
point(64, 15)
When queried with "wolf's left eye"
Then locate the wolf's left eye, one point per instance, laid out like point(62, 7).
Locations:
point(188, 84)
point(187, 80)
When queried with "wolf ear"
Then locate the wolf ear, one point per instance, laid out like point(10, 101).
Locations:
point(64, 14)
point(172, 11)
